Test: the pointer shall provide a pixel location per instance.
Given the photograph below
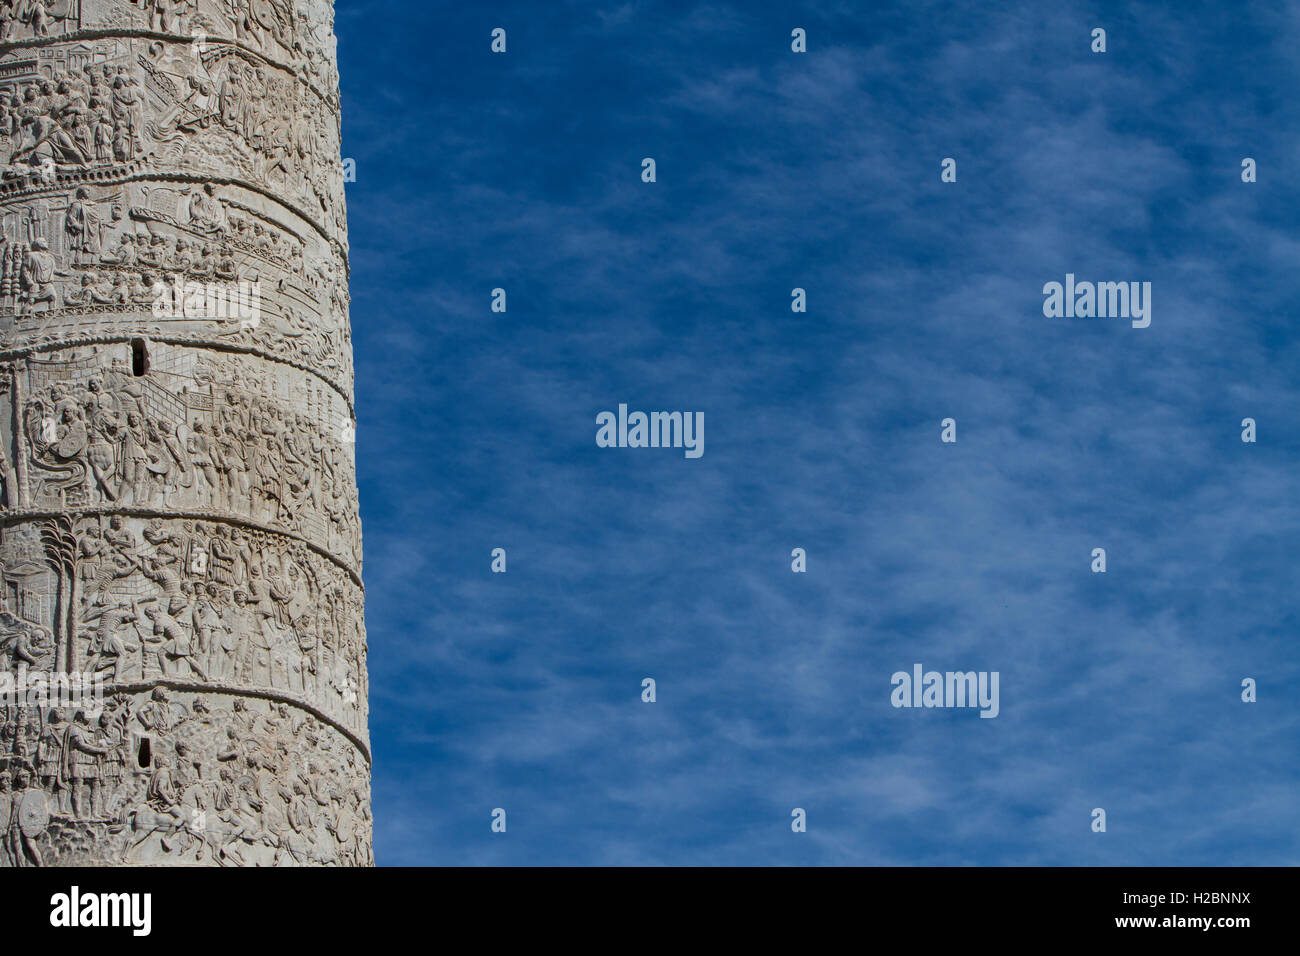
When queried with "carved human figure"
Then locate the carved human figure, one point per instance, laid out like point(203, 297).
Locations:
point(7, 812)
point(176, 657)
point(81, 755)
point(108, 651)
point(109, 736)
point(126, 113)
point(38, 278)
point(50, 758)
point(23, 839)
point(157, 716)
point(135, 458)
point(81, 223)
point(207, 623)
point(207, 215)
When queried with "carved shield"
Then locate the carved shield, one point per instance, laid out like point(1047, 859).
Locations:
point(263, 13)
point(73, 443)
point(347, 827)
point(299, 604)
point(33, 814)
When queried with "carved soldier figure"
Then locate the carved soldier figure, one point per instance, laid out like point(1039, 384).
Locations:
point(109, 737)
point(223, 558)
point(135, 458)
point(207, 622)
point(92, 292)
point(165, 464)
point(122, 540)
point(302, 821)
point(35, 14)
point(235, 455)
point(164, 796)
point(227, 648)
point(305, 630)
point(153, 256)
point(11, 632)
point(38, 278)
point(103, 438)
point(107, 650)
point(102, 138)
point(175, 648)
point(6, 786)
point(81, 223)
point(206, 212)
point(28, 819)
point(90, 548)
point(31, 645)
point(157, 716)
point(49, 759)
point(81, 759)
point(125, 255)
point(205, 264)
point(126, 111)
point(231, 811)
point(180, 261)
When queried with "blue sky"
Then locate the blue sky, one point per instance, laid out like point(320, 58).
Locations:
point(778, 170)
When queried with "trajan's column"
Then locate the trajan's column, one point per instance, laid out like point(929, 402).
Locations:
point(179, 508)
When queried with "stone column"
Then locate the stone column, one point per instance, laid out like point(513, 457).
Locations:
point(174, 330)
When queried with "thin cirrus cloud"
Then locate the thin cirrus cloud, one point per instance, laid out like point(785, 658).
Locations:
point(821, 171)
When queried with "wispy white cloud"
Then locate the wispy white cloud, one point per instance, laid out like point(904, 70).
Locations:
point(477, 430)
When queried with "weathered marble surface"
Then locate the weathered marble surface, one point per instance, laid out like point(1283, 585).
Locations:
point(178, 505)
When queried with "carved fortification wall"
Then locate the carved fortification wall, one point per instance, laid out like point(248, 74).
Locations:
point(176, 468)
